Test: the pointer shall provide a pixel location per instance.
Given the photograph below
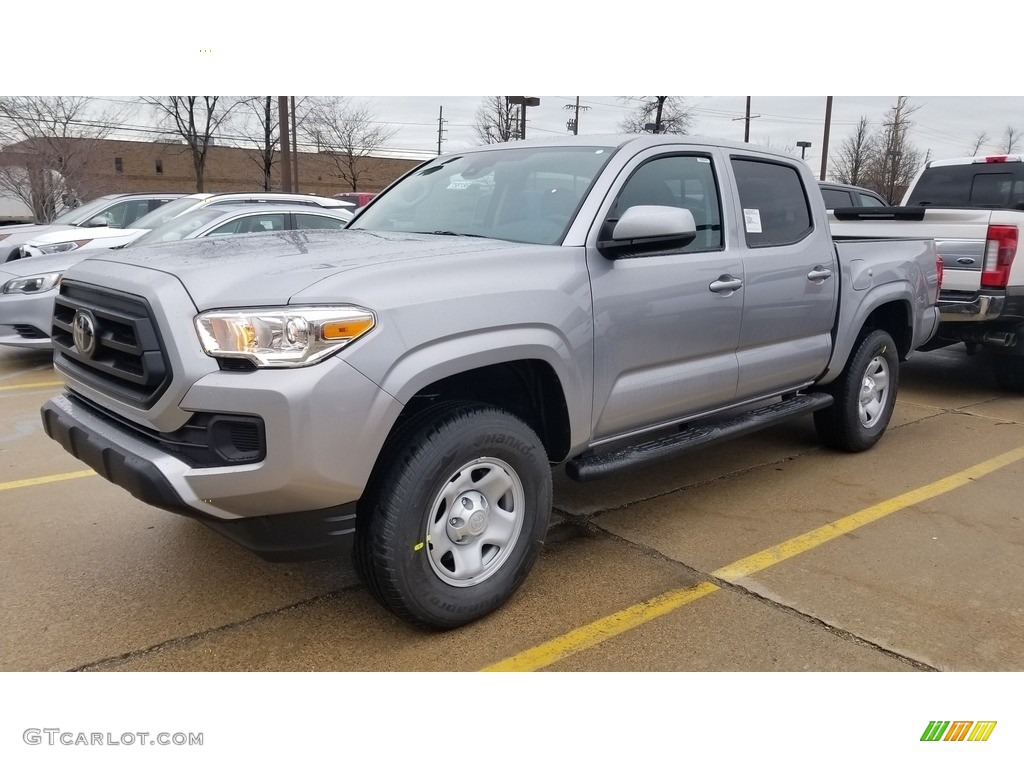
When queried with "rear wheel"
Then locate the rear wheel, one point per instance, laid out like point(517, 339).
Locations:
point(457, 515)
point(865, 395)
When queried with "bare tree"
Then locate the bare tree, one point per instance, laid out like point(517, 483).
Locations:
point(197, 120)
point(1010, 139)
point(348, 132)
point(50, 141)
point(257, 122)
point(667, 114)
point(260, 125)
point(496, 120)
point(979, 141)
point(896, 160)
point(854, 155)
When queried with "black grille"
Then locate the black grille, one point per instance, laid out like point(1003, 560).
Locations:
point(128, 361)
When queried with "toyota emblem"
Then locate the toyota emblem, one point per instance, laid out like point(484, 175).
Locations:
point(83, 331)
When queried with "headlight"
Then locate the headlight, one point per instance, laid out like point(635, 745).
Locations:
point(64, 247)
point(282, 337)
point(33, 283)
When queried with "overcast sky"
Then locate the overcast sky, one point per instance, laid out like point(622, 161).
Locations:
point(391, 52)
point(945, 126)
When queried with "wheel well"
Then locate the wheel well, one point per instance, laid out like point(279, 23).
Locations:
point(894, 319)
point(529, 389)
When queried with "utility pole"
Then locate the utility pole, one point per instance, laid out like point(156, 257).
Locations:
point(657, 116)
point(440, 128)
point(824, 143)
point(295, 150)
point(286, 160)
point(746, 120)
point(574, 122)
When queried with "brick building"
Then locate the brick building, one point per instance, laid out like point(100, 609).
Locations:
point(136, 166)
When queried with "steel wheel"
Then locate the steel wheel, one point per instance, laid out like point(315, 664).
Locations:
point(475, 522)
point(455, 515)
point(874, 392)
point(864, 395)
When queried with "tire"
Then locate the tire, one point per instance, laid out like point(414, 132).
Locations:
point(1009, 370)
point(865, 395)
point(456, 516)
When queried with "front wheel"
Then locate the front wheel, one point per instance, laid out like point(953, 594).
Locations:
point(456, 517)
point(865, 395)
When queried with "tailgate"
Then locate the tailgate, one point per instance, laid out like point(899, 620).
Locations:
point(959, 234)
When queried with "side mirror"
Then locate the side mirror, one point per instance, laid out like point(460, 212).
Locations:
point(648, 228)
point(97, 221)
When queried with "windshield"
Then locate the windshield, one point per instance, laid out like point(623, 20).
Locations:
point(165, 213)
point(988, 185)
point(524, 194)
point(83, 213)
point(181, 226)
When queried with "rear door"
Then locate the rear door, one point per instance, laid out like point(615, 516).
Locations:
point(790, 279)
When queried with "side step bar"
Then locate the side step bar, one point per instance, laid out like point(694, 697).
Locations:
point(591, 466)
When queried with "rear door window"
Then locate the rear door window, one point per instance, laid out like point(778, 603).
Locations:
point(774, 202)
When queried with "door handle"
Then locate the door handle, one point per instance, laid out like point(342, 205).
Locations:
point(819, 274)
point(726, 284)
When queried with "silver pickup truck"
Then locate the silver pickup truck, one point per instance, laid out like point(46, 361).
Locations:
point(401, 389)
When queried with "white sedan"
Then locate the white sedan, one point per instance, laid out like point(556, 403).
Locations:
point(48, 243)
point(29, 286)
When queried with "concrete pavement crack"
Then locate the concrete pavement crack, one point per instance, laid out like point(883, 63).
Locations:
point(174, 642)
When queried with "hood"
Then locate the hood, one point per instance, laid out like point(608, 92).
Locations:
point(82, 233)
point(12, 228)
point(40, 265)
point(268, 269)
point(22, 233)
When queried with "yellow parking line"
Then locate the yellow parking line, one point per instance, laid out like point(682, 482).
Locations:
point(10, 387)
point(46, 479)
point(598, 631)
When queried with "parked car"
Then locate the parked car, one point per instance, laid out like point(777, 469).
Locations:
point(400, 390)
point(85, 222)
point(849, 196)
point(63, 242)
point(358, 199)
point(29, 286)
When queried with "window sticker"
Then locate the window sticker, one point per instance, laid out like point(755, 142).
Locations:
point(752, 220)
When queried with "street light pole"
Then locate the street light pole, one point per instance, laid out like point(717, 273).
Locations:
point(803, 148)
point(523, 102)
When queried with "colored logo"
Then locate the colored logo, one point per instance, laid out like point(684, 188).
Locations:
point(958, 730)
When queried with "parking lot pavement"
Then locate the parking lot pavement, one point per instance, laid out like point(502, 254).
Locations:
point(643, 572)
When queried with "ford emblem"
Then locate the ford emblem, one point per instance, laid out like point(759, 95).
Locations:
point(965, 260)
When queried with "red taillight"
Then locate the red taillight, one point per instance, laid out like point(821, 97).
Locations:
point(939, 268)
point(996, 159)
point(999, 252)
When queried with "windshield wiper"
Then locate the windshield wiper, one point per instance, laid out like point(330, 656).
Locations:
point(447, 232)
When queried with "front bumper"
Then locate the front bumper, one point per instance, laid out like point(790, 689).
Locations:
point(133, 465)
point(25, 318)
